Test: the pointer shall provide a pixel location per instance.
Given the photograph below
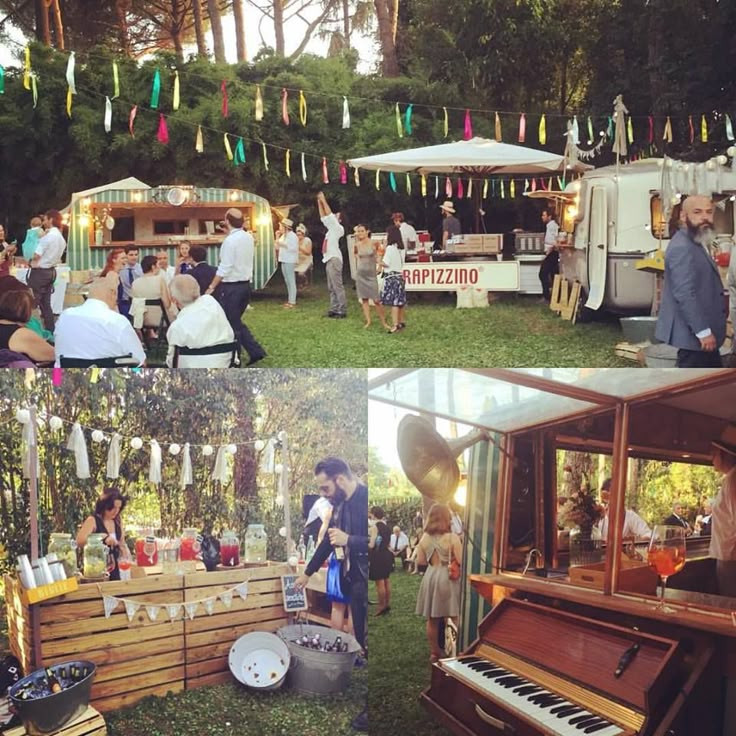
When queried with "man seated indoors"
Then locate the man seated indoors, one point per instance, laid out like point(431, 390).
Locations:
point(16, 308)
point(95, 329)
point(201, 323)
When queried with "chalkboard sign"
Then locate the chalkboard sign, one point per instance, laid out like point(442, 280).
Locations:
point(294, 599)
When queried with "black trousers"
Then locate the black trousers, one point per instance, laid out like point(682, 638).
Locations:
point(234, 298)
point(547, 271)
point(698, 359)
point(41, 280)
point(359, 608)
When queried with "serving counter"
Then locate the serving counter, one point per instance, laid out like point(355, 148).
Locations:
point(140, 657)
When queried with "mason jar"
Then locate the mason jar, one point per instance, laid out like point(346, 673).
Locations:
point(229, 548)
point(146, 549)
point(65, 549)
point(95, 557)
point(190, 546)
point(256, 543)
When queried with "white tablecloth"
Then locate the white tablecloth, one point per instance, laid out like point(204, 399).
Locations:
point(62, 279)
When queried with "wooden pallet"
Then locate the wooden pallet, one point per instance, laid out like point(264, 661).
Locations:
point(632, 351)
point(90, 723)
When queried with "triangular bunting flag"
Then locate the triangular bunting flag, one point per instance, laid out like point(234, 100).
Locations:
point(153, 611)
point(227, 598)
point(191, 609)
point(110, 603)
point(131, 608)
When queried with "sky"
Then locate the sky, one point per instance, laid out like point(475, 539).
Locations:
point(294, 28)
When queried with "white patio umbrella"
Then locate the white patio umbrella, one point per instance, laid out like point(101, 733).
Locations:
point(478, 156)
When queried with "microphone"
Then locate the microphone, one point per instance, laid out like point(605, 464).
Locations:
point(625, 660)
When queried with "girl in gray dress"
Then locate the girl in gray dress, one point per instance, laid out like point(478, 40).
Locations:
point(366, 279)
point(439, 597)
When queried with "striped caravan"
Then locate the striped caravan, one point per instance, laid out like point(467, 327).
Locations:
point(150, 208)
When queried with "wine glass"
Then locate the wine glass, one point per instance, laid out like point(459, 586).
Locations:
point(666, 557)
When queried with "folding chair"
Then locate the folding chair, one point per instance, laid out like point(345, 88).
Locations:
point(226, 347)
point(115, 362)
point(164, 322)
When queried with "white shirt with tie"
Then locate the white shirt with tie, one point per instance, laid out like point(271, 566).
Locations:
point(93, 331)
point(397, 544)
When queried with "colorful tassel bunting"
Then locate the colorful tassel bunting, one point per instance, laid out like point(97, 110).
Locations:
point(265, 156)
point(69, 98)
point(729, 128)
point(302, 108)
point(424, 185)
point(512, 188)
point(526, 185)
point(591, 134)
point(70, 74)
point(667, 137)
point(460, 189)
point(108, 115)
point(343, 173)
point(408, 184)
point(392, 181)
point(650, 139)
point(155, 90)
point(503, 190)
point(223, 91)
point(345, 113)
point(34, 89)
point(703, 129)
point(177, 92)
point(304, 168)
point(609, 131)
point(27, 69)
point(285, 106)
point(485, 189)
point(115, 81)
point(543, 130)
point(446, 123)
point(163, 131)
point(399, 128)
point(2, 80)
point(259, 104)
point(287, 162)
point(356, 177)
point(407, 119)
point(468, 131)
point(522, 128)
point(199, 142)
point(691, 127)
point(239, 154)
point(228, 149)
point(325, 174)
point(57, 375)
point(378, 180)
point(131, 120)
point(575, 130)
point(470, 189)
point(448, 187)
point(499, 132)
point(630, 130)
point(436, 187)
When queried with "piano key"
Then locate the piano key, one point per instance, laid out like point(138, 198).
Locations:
point(527, 689)
point(582, 725)
point(563, 711)
point(597, 727)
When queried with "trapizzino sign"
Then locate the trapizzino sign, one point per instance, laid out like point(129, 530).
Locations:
point(489, 275)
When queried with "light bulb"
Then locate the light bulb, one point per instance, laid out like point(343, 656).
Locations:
point(174, 449)
point(98, 435)
point(278, 469)
point(282, 532)
point(23, 416)
point(259, 445)
point(55, 423)
point(136, 443)
point(231, 449)
point(207, 450)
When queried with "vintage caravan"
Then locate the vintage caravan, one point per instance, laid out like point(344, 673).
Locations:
point(160, 218)
point(616, 219)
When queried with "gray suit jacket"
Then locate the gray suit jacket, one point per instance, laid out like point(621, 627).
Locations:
point(692, 300)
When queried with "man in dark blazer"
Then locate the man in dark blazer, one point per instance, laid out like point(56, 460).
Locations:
point(677, 519)
point(203, 273)
point(692, 316)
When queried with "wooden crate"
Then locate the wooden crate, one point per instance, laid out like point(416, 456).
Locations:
point(635, 576)
point(19, 623)
point(90, 723)
point(492, 243)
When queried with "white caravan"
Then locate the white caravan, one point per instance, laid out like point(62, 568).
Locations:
point(616, 218)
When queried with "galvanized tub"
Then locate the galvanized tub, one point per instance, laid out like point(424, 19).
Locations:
point(50, 713)
point(660, 356)
point(315, 672)
point(639, 329)
point(260, 660)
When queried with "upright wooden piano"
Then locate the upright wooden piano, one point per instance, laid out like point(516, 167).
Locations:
point(536, 668)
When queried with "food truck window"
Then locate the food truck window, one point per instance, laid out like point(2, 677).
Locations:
point(723, 219)
point(661, 228)
point(170, 227)
point(124, 229)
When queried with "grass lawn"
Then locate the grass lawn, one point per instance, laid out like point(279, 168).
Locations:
point(399, 664)
point(515, 331)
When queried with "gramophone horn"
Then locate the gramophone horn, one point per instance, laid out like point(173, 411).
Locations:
point(428, 459)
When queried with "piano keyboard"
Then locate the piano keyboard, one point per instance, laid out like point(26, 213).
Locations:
point(552, 712)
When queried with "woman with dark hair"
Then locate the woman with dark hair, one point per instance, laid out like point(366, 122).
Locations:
point(366, 281)
point(380, 559)
point(394, 288)
point(107, 520)
point(16, 308)
point(116, 261)
point(439, 596)
point(152, 286)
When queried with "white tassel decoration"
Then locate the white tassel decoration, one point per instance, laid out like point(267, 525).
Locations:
point(154, 471)
point(186, 478)
point(113, 457)
point(78, 445)
point(219, 472)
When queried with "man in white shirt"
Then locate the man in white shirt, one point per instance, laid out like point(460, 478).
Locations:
point(332, 258)
point(634, 526)
point(287, 246)
point(201, 323)
point(408, 233)
point(731, 280)
point(47, 256)
point(167, 271)
point(95, 330)
point(398, 544)
point(551, 264)
point(233, 279)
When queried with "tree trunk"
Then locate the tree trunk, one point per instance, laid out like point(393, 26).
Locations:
point(346, 22)
point(216, 23)
point(389, 61)
point(121, 15)
point(58, 24)
point(199, 29)
point(394, 11)
point(177, 23)
point(278, 27)
point(239, 16)
point(43, 31)
point(581, 468)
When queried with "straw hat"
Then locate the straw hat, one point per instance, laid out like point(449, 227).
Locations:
point(301, 228)
point(448, 207)
point(727, 440)
point(286, 222)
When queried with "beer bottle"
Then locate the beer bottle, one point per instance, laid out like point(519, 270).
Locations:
point(338, 644)
point(53, 682)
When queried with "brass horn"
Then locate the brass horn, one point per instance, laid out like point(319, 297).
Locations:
point(428, 459)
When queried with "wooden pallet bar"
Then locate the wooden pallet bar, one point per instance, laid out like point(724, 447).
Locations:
point(90, 723)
